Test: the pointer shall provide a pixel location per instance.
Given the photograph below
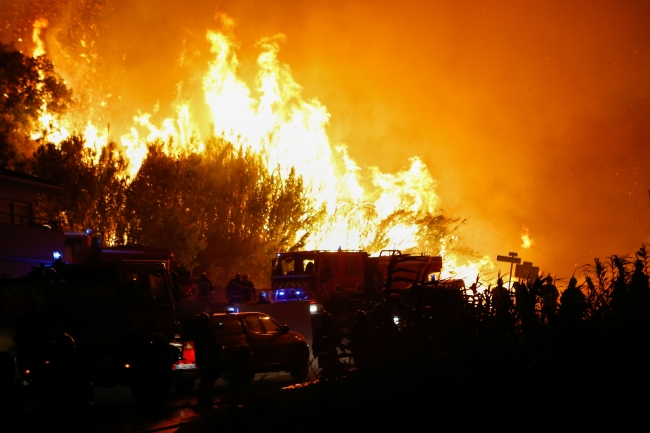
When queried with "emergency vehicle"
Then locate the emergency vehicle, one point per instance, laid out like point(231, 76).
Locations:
point(325, 277)
point(105, 324)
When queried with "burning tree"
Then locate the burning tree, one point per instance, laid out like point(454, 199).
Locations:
point(93, 184)
point(29, 88)
point(220, 208)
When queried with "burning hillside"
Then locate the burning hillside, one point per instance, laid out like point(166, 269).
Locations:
point(267, 114)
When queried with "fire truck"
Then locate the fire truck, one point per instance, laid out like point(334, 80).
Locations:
point(327, 278)
point(75, 326)
point(84, 247)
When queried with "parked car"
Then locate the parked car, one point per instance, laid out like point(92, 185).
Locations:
point(246, 343)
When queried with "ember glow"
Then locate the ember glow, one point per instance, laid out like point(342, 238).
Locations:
point(526, 240)
point(39, 46)
point(525, 113)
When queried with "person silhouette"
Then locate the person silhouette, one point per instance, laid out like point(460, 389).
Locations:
point(549, 294)
point(501, 299)
point(248, 289)
point(573, 304)
point(205, 288)
point(233, 289)
point(325, 345)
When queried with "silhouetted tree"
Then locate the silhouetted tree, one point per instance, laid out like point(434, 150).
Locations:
point(164, 205)
point(221, 210)
point(251, 213)
point(93, 184)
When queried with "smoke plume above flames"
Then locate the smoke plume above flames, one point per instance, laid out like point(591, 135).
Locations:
point(509, 114)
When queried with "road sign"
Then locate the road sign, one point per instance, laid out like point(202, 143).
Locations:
point(508, 259)
point(526, 270)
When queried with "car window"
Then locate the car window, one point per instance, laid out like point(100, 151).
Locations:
point(225, 325)
point(253, 324)
point(271, 325)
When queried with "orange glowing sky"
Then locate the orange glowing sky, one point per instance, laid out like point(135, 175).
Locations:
point(530, 114)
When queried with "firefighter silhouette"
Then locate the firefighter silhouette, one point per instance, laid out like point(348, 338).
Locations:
point(524, 306)
point(573, 304)
point(326, 343)
point(360, 337)
point(207, 352)
point(501, 299)
point(549, 294)
point(502, 303)
point(233, 289)
point(248, 289)
point(205, 288)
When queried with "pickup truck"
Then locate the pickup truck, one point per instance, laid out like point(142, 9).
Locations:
point(246, 343)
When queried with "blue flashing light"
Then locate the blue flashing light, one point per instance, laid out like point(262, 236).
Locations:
point(281, 293)
point(298, 292)
point(56, 255)
point(231, 309)
point(89, 232)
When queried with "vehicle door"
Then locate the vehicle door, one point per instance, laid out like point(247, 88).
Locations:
point(260, 341)
point(283, 343)
point(350, 273)
point(147, 302)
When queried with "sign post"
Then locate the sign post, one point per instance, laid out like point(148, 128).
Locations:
point(512, 259)
point(527, 271)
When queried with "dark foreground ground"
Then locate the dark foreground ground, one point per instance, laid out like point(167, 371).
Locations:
point(582, 381)
point(575, 383)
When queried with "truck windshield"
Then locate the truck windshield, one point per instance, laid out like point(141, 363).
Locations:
point(294, 263)
point(159, 291)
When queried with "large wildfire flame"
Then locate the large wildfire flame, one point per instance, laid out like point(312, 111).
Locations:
point(289, 131)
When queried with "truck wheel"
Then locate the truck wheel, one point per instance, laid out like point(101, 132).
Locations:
point(300, 367)
point(152, 374)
